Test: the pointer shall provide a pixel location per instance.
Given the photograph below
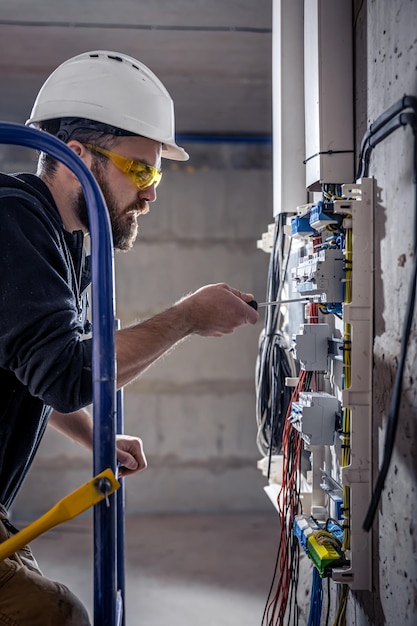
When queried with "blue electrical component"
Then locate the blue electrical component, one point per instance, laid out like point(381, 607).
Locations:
point(335, 529)
point(301, 226)
point(319, 218)
point(333, 307)
point(338, 504)
point(303, 527)
point(335, 494)
point(322, 542)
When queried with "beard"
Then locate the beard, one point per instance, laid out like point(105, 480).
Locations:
point(124, 223)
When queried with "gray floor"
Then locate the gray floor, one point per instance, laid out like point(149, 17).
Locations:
point(184, 570)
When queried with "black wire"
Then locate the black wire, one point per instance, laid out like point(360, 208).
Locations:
point(393, 414)
point(331, 519)
point(400, 120)
point(273, 396)
point(357, 15)
point(406, 102)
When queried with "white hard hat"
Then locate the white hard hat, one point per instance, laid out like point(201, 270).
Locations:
point(113, 89)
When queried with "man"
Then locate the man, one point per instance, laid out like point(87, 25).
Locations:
point(118, 117)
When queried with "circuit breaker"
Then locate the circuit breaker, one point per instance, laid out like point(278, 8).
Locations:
point(320, 273)
point(331, 267)
point(314, 416)
point(312, 346)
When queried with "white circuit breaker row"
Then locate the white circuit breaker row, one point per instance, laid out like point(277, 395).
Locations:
point(320, 273)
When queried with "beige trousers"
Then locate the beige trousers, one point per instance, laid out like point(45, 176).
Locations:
point(27, 598)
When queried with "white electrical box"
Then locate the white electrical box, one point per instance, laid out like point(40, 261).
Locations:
point(328, 77)
point(314, 416)
point(312, 346)
point(288, 105)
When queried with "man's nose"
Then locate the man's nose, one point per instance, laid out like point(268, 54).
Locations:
point(148, 194)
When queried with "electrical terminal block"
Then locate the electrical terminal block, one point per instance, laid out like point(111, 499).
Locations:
point(321, 273)
point(321, 542)
point(321, 216)
point(301, 226)
point(314, 416)
point(323, 552)
point(303, 527)
point(312, 347)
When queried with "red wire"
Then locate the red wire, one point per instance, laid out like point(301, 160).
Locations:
point(287, 508)
point(287, 503)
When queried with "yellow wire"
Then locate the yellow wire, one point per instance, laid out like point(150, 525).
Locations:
point(345, 438)
point(347, 336)
point(348, 264)
point(340, 619)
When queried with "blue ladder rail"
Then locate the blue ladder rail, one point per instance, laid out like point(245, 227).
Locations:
point(108, 550)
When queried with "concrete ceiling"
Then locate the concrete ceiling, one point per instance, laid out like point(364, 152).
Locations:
point(214, 56)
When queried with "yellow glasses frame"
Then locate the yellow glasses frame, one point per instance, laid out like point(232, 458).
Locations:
point(141, 174)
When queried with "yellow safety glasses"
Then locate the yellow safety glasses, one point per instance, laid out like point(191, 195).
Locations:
point(141, 174)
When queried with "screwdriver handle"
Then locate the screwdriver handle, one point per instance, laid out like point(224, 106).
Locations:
point(253, 304)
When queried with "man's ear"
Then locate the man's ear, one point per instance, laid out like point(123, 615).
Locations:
point(82, 152)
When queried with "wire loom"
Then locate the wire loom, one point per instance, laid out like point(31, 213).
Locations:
point(274, 363)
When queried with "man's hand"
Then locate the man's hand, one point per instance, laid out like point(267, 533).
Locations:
point(212, 311)
point(216, 310)
point(78, 426)
point(130, 455)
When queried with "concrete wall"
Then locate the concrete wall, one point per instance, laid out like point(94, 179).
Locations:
point(386, 69)
point(195, 408)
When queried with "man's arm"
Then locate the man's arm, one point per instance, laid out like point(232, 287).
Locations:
point(214, 310)
point(78, 426)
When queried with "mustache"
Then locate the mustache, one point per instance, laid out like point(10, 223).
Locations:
point(140, 206)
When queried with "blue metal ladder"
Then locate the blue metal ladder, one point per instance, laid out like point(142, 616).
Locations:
point(109, 575)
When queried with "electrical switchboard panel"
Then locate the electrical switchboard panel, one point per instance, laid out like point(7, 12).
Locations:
point(325, 435)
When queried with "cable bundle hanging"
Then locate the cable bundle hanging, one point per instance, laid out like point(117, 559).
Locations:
point(316, 599)
point(273, 363)
point(284, 603)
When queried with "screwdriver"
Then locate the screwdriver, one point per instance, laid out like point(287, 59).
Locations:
point(254, 304)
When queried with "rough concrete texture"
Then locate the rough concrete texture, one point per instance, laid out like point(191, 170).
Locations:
point(195, 408)
point(386, 38)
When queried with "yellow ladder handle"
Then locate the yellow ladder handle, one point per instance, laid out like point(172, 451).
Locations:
point(69, 507)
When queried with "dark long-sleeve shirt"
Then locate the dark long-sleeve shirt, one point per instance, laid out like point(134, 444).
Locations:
point(45, 359)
